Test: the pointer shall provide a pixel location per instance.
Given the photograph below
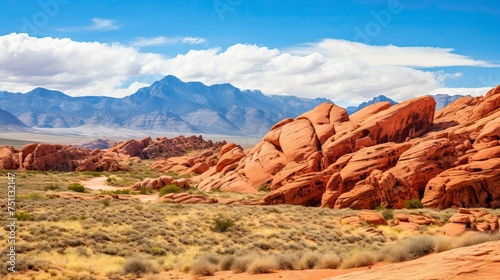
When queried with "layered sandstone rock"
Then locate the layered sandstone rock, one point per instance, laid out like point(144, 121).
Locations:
point(160, 182)
point(45, 157)
point(163, 147)
point(381, 155)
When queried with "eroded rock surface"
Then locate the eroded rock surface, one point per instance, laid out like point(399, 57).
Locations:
point(381, 155)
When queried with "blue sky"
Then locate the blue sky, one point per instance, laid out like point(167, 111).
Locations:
point(342, 50)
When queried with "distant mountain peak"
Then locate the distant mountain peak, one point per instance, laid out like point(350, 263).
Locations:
point(442, 100)
point(380, 98)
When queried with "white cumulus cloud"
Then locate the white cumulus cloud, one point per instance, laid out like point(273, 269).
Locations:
point(335, 69)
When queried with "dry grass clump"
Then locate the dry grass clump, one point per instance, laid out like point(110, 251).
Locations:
point(330, 261)
point(263, 265)
point(309, 260)
point(359, 260)
point(286, 262)
point(445, 243)
point(204, 266)
point(242, 263)
point(410, 249)
point(226, 263)
point(137, 266)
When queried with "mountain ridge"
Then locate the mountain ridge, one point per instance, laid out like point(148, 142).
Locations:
point(168, 104)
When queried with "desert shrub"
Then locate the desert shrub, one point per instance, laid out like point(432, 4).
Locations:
point(105, 202)
point(359, 260)
point(309, 260)
point(114, 180)
point(22, 216)
point(137, 266)
point(330, 261)
point(414, 204)
point(221, 223)
point(100, 236)
point(203, 266)
point(443, 243)
point(241, 264)
point(144, 190)
point(50, 187)
point(226, 263)
point(475, 238)
point(76, 187)
point(264, 188)
point(170, 189)
point(286, 262)
point(410, 249)
point(31, 263)
point(263, 265)
point(388, 214)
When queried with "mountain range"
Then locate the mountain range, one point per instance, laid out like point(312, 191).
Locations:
point(168, 105)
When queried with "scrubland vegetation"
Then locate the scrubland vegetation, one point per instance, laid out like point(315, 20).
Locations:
point(101, 239)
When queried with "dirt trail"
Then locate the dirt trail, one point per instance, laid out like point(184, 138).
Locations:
point(99, 183)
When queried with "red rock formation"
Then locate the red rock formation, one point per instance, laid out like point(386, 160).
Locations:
point(163, 147)
point(381, 155)
point(160, 182)
point(44, 157)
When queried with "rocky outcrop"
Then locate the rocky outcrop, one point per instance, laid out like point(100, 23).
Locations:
point(163, 147)
point(160, 182)
point(323, 154)
point(45, 157)
point(186, 198)
point(381, 155)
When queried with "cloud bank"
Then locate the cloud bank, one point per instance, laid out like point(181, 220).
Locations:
point(331, 68)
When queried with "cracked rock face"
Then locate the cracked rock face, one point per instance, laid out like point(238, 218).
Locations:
point(381, 155)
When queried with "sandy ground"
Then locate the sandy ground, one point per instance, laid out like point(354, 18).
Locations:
point(310, 274)
point(99, 183)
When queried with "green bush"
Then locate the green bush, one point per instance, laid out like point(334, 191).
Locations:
point(105, 202)
point(22, 216)
point(388, 214)
point(144, 190)
point(76, 187)
point(170, 189)
point(264, 188)
point(221, 223)
point(50, 187)
point(414, 204)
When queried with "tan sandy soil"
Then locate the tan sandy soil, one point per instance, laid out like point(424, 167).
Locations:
point(309, 274)
point(99, 183)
